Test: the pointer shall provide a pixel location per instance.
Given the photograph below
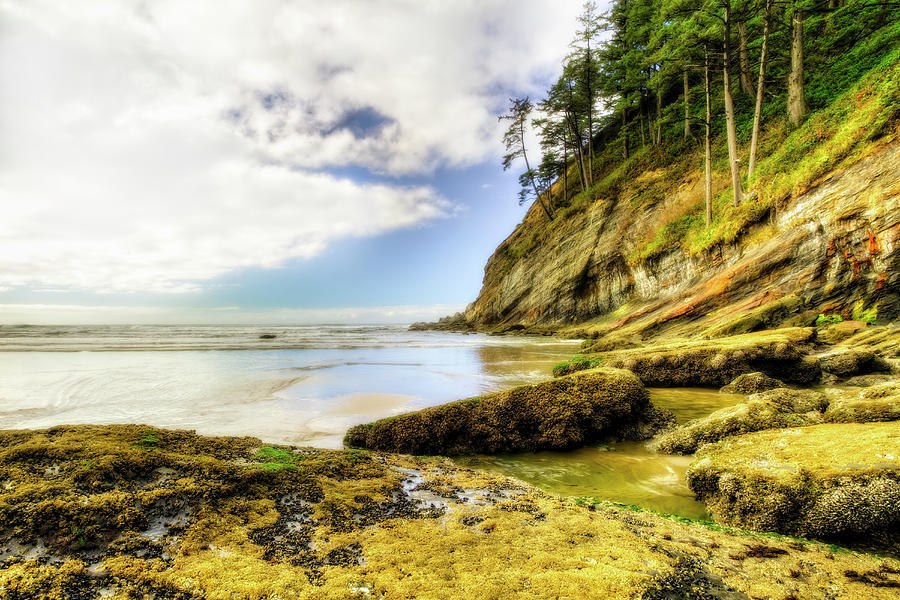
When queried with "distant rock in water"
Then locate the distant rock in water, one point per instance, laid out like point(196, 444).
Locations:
point(268, 336)
point(563, 413)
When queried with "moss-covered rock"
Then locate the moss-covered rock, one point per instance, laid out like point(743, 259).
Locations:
point(846, 362)
point(831, 482)
point(766, 316)
point(777, 408)
point(779, 353)
point(751, 383)
point(876, 403)
point(838, 332)
point(562, 413)
point(223, 518)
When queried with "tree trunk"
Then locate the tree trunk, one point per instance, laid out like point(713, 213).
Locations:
point(797, 107)
point(579, 151)
point(760, 83)
point(641, 121)
point(565, 171)
point(708, 144)
point(733, 158)
point(590, 115)
point(625, 132)
point(658, 116)
point(746, 84)
point(537, 194)
point(687, 107)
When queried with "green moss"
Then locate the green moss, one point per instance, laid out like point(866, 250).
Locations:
point(576, 363)
point(823, 320)
point(866, 315)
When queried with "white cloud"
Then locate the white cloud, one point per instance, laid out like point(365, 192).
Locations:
point(75, 314)
point(152, 146)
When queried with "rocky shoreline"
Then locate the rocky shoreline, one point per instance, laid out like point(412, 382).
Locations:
point(133, 512)
point(129, 511)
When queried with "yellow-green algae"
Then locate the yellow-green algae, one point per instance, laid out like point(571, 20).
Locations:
point(785, 408)
point(773, 409)
point(830, 481)
point(780, 353)
point(93, 511)
point(562, 413)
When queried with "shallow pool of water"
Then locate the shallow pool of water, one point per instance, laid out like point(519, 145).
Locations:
point(625, 472)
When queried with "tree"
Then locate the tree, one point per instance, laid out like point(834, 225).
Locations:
point(757, 113)
point(797, 107)
point(514, 141)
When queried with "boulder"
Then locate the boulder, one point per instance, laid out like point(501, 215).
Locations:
point(846, 362)
point(835, 482)
point(562, 413)
point(876, 403)
point(751, 383)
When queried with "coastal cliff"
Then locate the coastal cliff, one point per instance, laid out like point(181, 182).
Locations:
point(820, 222)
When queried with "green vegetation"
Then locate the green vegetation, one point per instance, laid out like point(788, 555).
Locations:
point(860, 313)
point(276, 458)
point(820, 109)
point(149, 440)
point(823, 320)
point(576, 363)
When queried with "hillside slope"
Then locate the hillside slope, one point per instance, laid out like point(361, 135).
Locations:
point(823, 228)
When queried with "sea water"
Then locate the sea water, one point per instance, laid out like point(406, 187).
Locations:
point(297, 385)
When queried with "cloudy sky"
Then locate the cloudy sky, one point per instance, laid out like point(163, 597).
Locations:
point(244, 160)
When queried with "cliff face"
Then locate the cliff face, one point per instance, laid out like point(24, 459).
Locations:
point(836, 246)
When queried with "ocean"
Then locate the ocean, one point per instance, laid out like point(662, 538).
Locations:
point(301, 385)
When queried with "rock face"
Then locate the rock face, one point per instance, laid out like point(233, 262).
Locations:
point(563, 413)
point(130, 512)
point(831, 482)
point(829, 246)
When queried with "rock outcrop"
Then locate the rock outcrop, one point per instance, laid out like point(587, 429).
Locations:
point(830, 482)
point(559, 414)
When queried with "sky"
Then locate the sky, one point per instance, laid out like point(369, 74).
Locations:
point(265, 161)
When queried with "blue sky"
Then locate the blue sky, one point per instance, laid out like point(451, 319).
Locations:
point(266, 161)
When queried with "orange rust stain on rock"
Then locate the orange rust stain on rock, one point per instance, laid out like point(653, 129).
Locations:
point(881, 282)
point(874, 247)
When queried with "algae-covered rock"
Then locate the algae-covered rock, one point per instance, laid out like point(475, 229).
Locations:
point(751, 383)
point(561, 413)
point(845, 362)
point(831, 482)
point(132, 512)
point(838, 332)
point(876, 403)
point(778, 353)
point(776, 408)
